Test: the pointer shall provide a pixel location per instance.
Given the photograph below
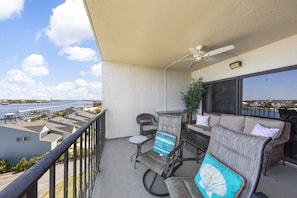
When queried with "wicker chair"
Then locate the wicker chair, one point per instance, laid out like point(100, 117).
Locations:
point(147, 124)
point(240, 152)
point(162, 166)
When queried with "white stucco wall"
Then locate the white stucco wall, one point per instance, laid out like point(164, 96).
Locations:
point(276, 55)
point(129, 90)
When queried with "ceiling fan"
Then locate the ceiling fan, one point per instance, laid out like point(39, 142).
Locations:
point(199, 54)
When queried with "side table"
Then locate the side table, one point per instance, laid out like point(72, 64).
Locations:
point(138, 140)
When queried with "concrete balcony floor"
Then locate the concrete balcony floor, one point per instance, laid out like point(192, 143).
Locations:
point(118, 178)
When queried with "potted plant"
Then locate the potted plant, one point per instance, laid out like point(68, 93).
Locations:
point(193, 97)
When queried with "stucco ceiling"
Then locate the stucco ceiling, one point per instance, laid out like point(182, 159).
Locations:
point(157, 32)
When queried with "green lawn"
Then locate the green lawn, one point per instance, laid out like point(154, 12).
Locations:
point(60, 189)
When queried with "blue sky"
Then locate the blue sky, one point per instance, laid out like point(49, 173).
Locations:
point(47, 50)
point(274, 86)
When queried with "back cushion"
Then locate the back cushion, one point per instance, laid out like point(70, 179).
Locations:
point(164, 143)
point(232, 122)
point(250, 123)
point(213, 118)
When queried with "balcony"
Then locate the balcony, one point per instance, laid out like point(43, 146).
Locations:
point(109, 172)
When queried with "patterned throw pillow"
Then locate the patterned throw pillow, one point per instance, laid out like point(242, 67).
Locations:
point(164, 143)
point(202, 120)
point(261, 130)
point(214, 179)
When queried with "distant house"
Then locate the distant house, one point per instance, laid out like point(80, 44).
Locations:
point(18, 141)
point(29, 139)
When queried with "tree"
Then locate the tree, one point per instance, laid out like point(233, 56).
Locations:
point(193, 97)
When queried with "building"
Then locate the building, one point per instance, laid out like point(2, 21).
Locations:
point(30, 139)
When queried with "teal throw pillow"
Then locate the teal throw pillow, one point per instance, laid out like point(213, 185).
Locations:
point(214, 179)
point(164, 143)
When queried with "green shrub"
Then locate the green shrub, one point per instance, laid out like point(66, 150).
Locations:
point(22, 165)
point(4, 166)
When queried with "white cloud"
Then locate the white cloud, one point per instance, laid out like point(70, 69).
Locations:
point(17, 76)
point(79, 53)
point(10, 8)
point(96, 70)
point(69, 24)
point(81, 89)
point(65, 86)
point(81, 82)
point(14, 88)
point(35, 65)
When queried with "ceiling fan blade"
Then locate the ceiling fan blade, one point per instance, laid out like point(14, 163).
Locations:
point(185, 59)
point(211, 59)
point(219, 50)
point(192, 63)
point(194, 51)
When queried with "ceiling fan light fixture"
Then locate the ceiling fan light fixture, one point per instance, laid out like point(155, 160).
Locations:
point(235, 65)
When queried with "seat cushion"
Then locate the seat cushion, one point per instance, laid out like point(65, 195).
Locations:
point(153, 161)
point(182, 187)
point(232, 122)
point(164, 143)
point(149, 127)
point(213, 118)
point(214, 179)
point(145, 121)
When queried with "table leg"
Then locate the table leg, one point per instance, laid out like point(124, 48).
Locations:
point(138, 152)
point(133, 155)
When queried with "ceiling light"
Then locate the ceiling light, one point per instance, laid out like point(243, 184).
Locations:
point(235, 65)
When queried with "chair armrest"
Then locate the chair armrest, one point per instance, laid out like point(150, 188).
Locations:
point(169, 156)
point(285, 136)
point(276, 142)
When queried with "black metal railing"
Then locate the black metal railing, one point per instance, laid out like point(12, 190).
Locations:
point(81, 151)
point(261, 112)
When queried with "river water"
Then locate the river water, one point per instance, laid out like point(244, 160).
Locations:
point(22, 109)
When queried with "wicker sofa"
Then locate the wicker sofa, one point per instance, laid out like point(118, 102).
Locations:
point(274, 150)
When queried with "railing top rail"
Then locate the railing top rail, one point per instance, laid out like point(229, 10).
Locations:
point(19, 186)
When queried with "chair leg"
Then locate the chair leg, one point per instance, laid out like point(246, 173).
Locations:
point(149, 187)
point(264, 171)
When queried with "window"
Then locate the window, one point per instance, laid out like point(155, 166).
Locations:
point(221, 96)
point(264, 94)
point(22, 139)
point(26, 138)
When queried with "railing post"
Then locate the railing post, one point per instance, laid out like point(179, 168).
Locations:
point(66, 174)
point(32, 193)
point(52, 183)
point(74, 170)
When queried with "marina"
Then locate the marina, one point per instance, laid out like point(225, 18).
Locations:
point(27, 111)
